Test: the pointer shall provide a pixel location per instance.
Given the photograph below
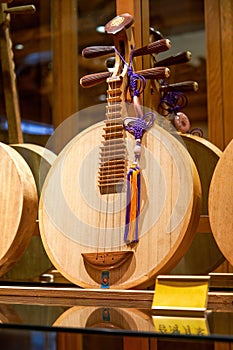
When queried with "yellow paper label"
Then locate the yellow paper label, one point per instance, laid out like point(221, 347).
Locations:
point(180, 294)
point(181, 325)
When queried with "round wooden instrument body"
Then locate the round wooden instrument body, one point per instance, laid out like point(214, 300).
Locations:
point(18, 206)
point(220, 203)
point(203, 256)
point(34, 261)
point(39, 160)
point(100, 317)
point(76, 220)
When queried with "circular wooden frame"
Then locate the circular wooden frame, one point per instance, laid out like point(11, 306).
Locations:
point(70, 219)
point(220, 203)
point(18, 206)
point(34, 261)
point(100, 317)
point(203, 255)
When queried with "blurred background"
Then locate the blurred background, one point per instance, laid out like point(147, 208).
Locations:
point(48, 46)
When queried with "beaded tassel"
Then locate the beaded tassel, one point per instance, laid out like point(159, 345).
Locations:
point(133, 199)
point(137, 126)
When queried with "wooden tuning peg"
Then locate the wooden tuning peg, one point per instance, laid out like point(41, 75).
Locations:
point(154, 47)
point(181, 57)
point(98, 78)
point(94, 79)
point(26, 9)
point(97, 51)
point(155, 73)
point(184, 86)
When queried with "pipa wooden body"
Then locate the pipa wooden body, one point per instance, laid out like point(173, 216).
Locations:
point(75, 218)
point(83, 213)
point(34, 261)
point(100, 317)
point(204, 255)
point(220, 203)
point(18, 206)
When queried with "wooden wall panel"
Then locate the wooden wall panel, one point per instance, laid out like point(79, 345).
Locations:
point(226, 19)
point(136, 343)
point(223, 346)
point(65, 75)
point(219, 41)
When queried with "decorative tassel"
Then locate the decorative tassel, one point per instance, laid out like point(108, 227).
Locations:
point(136, 126)
point(133, 204)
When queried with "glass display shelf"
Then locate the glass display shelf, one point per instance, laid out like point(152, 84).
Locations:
point(46, 312)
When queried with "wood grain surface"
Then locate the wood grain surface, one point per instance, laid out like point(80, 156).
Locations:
point(220, 203)
point(34, 261)
point(99, 317)
point(75, 219)
point(18, 206)
point(203, 256)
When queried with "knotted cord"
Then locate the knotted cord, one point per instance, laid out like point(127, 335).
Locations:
point(136, 126)
point(170, 106)
point(173, 102)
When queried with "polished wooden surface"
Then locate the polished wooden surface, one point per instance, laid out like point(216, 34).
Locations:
point(18, 206)
point(70, 295)
point(204, 255)
point(219, 15)
point(34, 261)
point(163, 236)
point(220, 203)
point(65, 68)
